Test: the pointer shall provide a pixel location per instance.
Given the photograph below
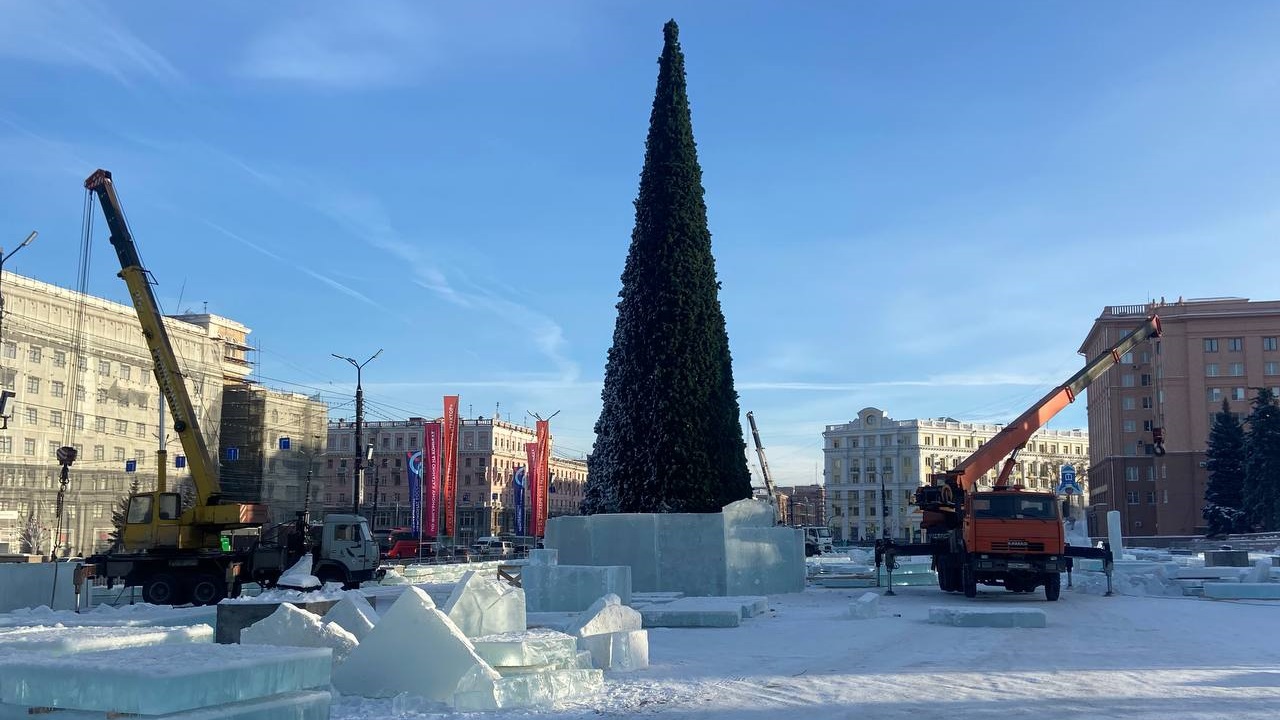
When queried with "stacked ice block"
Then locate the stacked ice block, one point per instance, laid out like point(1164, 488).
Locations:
point(184, 681)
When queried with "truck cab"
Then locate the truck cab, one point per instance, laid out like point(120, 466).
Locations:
point(817, 540)
point(346, 552)
point(1016, 538)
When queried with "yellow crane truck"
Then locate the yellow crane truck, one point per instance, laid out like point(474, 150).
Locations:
point(180, 554)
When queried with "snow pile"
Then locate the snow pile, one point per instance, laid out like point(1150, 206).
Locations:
point(330, 591)
point(290, 626)
point(299, 576)
point(392, 577)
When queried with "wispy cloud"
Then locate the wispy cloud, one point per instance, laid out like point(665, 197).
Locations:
point(344, 289)
point(79, 34)
point(345, 46)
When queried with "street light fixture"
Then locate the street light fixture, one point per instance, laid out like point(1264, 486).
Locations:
point(358, 475)
point(5, 258)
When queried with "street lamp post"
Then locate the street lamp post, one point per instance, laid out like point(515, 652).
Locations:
point(5, 258)
point(358, 475)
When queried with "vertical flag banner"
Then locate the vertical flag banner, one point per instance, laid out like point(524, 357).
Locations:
point(531, 480)
point(517, 488)
point(431, 479)
point(542, 478)
point(414, 458)
point(449, 461)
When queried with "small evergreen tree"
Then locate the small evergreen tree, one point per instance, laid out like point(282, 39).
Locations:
point(121, 512)
point(669, 437)
point(1262, 463)
point(1224, 494)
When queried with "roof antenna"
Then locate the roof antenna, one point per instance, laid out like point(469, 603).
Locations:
point(206, 307)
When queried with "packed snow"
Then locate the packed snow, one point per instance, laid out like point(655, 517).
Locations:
point(1152, 650)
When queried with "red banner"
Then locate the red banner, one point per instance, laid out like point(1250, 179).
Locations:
point(449, 461)
point(531, 481)
point(542, 479)
point(431, 480)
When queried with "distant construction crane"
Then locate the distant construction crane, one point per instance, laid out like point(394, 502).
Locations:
point(764, 467)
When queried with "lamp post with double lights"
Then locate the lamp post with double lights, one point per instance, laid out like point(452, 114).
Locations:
point(358, 475)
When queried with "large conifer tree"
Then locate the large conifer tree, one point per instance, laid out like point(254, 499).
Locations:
point(669, 437)
point(1262, 463)
point(1224, 494)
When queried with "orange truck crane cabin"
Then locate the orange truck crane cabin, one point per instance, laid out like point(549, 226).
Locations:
point(1007, 536)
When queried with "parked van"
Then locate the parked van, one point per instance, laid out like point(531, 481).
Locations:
point(492, 547)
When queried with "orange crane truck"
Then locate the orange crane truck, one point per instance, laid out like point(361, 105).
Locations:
point(1006, 536)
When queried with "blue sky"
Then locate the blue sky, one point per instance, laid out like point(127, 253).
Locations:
point(919, 206)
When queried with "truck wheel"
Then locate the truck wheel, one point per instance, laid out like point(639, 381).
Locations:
point(160, 589)
point(207, 589)
point(1052, 587)
point(969, 580)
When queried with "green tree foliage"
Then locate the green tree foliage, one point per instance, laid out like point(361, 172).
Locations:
point(669, 437)
point(121, 511)
point(1262, 463)
point(1224, 494)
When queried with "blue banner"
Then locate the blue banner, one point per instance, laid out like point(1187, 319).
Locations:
point(517, 489)
point(415, 492)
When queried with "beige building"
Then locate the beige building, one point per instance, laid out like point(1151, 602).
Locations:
point(97, 395)
point(803, 505)
point(874, 464)
point(1210, 350)
point(489, 451)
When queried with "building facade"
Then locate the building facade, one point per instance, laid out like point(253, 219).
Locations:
point(489, 452)
point(81, 376)
point(1209, 350)
point(271, 445)
point(803, 505)
point(874, 464)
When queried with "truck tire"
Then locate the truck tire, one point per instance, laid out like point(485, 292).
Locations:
point(969, 580)
point(944, 577)
point(1052, 587)
point(207, 589)
point(161, 589)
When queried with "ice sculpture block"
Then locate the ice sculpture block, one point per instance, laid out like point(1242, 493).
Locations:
point(528, 648)
point(354, 614)
point(68, 640)
point(292, 627)
point(482, 606)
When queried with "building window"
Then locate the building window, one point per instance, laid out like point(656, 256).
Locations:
point(33, 385)
point(82, 364)
point(1147, 425)
point(1146, 380)
point(122, 427)
point(79, 393)
point(1211, 370)
point(102, 395)
point(140, 430)
point(1130, 426)
point(1151, 497)
point(1235, 344)
point(1211, 345)
point(79, 421)
point(1214, 395)
point(99, 452)
point(1271, 368)
point(100, 425)
point(1127, 358)
point(126, 372)
point(1128, 403)
point(6, 445)
point(11, 350)
point(1237, 370)
point(1131, 474)
point(8, 378)
point(60, 358)
point(119, 453)
point(1132, 497)
point(29, 446)
point(1146, 403)
point(33, 416)
point(104, 367)
point(1127, 380)
point(1237, 393)
point(55, 418)
point(57, 389)
point(1268, 343)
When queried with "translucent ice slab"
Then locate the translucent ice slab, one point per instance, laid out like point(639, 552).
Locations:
point(531, 647)
point(67, 640)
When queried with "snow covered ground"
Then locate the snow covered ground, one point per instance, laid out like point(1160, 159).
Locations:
point(1099, 657)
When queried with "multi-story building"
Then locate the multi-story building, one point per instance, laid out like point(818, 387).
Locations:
point(272, 442)
point(804, 505)
point(81, 375)
point(489, 451)
point(1209, 350)
point(875, 463)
